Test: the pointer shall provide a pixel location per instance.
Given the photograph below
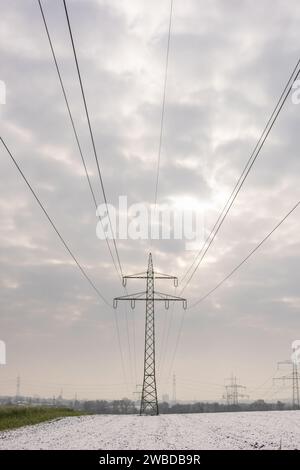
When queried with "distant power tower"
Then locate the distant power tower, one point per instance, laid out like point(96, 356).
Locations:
point(294, 377)
point(138, 393)
point(174, 389)
point(232, 392)
point(18, 388)
point(149, 403)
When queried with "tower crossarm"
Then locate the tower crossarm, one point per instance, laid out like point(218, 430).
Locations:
point(288, 362)
point(155, 275)
point(158, 297)
point(167, 298)
point(284, 377)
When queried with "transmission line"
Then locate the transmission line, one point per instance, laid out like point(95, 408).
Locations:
point(159, 158)
point(209, 240)
point(247, 257)
point(83, 272)
point(54, 226)
point(227, 277)
point(74, 127)
point(163, 105)
point(120, 271)
point(92, 135)
point(165, 338)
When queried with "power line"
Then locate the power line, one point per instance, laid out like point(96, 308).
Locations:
point(134, 346)
point(92, 135)
point(165, 338)
point(54, 226)
point(73, 125)
point(198, 383)
point(162, 115)
point(159, 159)
point(77, 385)
point(271, 392)
point(209, 240)
point(261, 386)
point(215, 229)
point(128, 342)
point(83, 272)
point(247, 257)
point(225, 279)
point(120, 346)
point(120, 272)
point(163, 105)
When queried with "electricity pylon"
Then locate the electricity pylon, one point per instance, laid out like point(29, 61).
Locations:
point(232, 394)
point(294, 377)
point(174, 390)
point(138, 393)
point(149, 403)
point(18, 387)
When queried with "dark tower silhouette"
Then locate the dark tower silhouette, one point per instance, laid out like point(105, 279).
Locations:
point(149, 403)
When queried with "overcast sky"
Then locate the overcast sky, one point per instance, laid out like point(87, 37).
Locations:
point(229, 62)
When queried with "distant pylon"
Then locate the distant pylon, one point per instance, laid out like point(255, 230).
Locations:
point(295, 386)
point(137, 393)
point(18, 387)
point(294, 377)
point(232, 394)
point(174, 389)
point(149, 403)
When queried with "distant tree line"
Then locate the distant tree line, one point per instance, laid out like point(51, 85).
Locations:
point(122, 407)
point(126, 406)
point(215, 407)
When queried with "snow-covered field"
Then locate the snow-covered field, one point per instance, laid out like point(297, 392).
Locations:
point(254, 430)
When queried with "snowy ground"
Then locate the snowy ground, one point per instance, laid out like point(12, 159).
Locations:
point(253, 430)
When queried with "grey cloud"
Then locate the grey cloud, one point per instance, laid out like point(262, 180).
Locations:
point(228, 64)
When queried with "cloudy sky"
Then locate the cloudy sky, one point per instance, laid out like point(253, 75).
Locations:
point(229, 62)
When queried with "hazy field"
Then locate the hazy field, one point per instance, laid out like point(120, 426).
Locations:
point(254, 430)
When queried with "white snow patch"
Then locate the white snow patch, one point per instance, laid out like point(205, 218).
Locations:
point(252, 430)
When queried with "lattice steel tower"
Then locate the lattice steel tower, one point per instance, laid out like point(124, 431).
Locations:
point(149, 403)
point(294, 377)
point(232, 392)
point(174, 390)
